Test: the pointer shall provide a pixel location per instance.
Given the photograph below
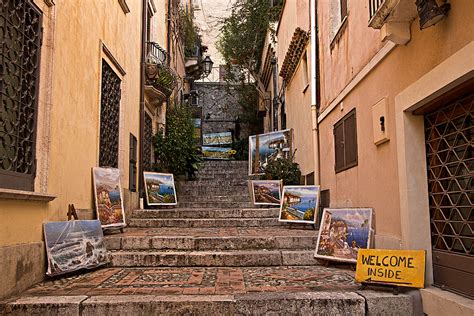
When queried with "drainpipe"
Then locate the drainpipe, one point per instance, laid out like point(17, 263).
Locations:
point(142, 98)
point(314, 91)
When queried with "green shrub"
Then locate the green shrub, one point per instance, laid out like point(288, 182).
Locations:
point(175, 149)
point(283, 169)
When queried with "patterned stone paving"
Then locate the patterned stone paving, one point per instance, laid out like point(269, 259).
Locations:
point(169, 281)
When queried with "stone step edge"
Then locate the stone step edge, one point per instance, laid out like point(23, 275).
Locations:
point(310, 303)
point(223, 243)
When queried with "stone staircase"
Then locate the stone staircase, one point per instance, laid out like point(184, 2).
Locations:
point(214, 254)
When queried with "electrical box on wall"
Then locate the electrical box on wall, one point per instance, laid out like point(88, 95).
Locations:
point(380, 121)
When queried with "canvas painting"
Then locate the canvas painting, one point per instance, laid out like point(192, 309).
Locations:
point(215, 139)
point(266, 192)
point(299, 203)
point(108, 197)
point(160, 189)
point(264, 148)
point(74, 245)
point(343, 232)
point(197, 128)
point(222, 153)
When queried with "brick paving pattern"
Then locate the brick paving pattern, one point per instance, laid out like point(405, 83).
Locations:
point(196, 280)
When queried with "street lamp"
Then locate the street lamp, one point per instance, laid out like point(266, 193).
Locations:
point(430, 13)
point(207, 66)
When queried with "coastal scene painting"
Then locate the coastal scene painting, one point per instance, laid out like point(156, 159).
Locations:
point(264, 148)
point(74, 245)
point(299, 203)
point(343, 232)
point(220, 153)
point(215, 139)
point(266, 192)
point(108, 197)
point(160, 189)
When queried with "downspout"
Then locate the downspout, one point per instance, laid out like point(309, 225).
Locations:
point(314, 92)
point(142, 98)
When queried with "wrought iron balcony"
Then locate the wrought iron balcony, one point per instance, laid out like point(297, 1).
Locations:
point(394, 11)
point(156, 54)
point(374, 6)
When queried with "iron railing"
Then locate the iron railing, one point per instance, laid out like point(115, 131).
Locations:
point(156, 54)
point(219, 74)
point(374, 6)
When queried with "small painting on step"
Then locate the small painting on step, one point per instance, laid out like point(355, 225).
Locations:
point(266, 192)
point(74, 245)
point(343, 232)
point(160, 189)
point(299, 204)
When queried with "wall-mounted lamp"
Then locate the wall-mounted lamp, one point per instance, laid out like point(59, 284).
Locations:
point(430, 13)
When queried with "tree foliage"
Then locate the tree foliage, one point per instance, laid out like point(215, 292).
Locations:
point(243, 34)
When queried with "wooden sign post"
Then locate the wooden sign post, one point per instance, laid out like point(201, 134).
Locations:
point(391, 267)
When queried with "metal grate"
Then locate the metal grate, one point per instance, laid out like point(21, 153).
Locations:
point(109, 117)
point(148, 144)
point(449, 146)
point(20, 41)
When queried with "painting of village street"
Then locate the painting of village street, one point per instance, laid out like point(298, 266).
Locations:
point(264, 148)
point(160, 188)
point(74, 245)
point(343, 232)
point(299, 203)
point(266, 192)
point(108, 197)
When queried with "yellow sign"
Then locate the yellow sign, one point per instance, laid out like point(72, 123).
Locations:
point(392, 267)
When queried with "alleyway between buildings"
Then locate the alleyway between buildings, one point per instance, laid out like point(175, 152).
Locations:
point(213, 254)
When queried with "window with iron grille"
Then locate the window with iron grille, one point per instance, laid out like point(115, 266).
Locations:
point(449, 141)
point(148, 144)
point(132, 173)
point(20, 42)
point(109, 117)
point(345, 142)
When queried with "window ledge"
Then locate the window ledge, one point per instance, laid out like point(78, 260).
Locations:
point(7, 194)
point(305, 88)
point(339, 32)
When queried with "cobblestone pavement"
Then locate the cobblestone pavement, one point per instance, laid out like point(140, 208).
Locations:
point(175, 281)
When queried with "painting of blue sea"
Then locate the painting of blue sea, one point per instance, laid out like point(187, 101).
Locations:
point(74, 245)
point(299, 203)
point(343, 232)
point(108, 197)
point(264, 148)
point(266, 192)
point(160, 189)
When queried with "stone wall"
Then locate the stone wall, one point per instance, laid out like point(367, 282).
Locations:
point(220, 109)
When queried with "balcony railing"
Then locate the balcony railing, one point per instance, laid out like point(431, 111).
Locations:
point(156, 54)
point(219, 74)
point(374, 6)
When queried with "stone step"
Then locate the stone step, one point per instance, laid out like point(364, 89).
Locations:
point(160, 243)
point(215, 182)
point(206, 222)
point(225, 176)
point(213, 190)
point(245, 198)
point(215, 204)
point(238, 258)
point(206, 213)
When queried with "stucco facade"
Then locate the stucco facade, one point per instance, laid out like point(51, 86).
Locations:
point(359, 71)
point(77, 38)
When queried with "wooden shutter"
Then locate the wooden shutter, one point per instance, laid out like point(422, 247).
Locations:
point(350, 140)
point(339, 145)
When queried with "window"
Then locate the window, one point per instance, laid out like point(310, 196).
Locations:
point(109, 117)
point(148, 144)
point(343, 9)
point(20, 41)
point(304, 64)
point(132, 173)
point(345, 142)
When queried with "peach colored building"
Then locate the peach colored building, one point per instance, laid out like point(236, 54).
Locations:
point(394, 103)
point(76, 69)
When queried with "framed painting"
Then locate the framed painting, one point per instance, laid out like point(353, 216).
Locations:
point(264, 148)
point(216, 139)
point(108, 197)
point(266, 192)
point(299, 204)
point(220, 153)
point(159, 188)
point(343, 232)
point(74, 245)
